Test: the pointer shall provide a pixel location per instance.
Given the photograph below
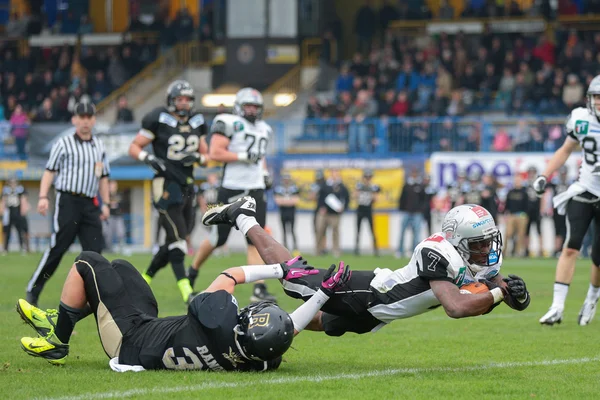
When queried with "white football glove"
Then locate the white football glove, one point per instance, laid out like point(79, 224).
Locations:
point(539, 185)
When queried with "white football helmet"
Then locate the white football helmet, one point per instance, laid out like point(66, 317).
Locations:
point(593, 89)
point(471, 229)
point(248, 96)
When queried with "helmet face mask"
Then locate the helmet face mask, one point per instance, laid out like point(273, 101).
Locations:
point(472, 231)
point(176, 93)
point(248, 104)
point(264, 331)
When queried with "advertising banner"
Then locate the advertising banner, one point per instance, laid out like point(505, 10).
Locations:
point(444, 167)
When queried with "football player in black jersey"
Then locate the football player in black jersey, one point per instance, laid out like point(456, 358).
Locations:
point(176, 133)
point(213, 335)
point(366, 194)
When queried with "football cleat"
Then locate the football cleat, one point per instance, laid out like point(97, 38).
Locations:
point(50, 348)
point(261, 293)
point(553, 316)
point(226, 214)
point(587, 312)
point(42, 321)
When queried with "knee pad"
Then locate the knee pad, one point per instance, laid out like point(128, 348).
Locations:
point(180, 245)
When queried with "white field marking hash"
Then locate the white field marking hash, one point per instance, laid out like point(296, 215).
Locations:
point(320, 378)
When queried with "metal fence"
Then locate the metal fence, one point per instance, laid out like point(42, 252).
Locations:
point(397, 135)
point(418, 135)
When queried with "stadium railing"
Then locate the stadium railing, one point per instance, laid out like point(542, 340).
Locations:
point(416, 135)
point(394, 135)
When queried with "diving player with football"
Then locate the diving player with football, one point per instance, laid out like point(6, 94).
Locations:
point(467, 250)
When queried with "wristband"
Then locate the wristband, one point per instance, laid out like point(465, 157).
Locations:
point(498, 295)
point(253, 273)
point(43, 197)
point(242, 156)
point(142, 156)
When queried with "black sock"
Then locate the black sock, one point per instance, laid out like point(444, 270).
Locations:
point(192, 274)
point(177, 257)
point(159, 261)
point(84, 312)
point(67, 318)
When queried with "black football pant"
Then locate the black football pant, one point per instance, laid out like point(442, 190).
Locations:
point(19, 222)
point(74, 216)
point(365, 213)
point(288, 221)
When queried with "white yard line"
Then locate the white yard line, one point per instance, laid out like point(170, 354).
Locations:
point(321, 378)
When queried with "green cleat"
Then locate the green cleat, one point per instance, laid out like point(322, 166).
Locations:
point(49, 348)
point(43, 322)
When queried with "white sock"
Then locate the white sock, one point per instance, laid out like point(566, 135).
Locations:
point(245, 222)
point(560, 295)
point(593, 293)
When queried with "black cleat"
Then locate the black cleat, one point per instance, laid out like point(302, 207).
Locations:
point(226, 214)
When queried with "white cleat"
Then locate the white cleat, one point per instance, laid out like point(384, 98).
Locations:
point(587, 312)
point(553, 316)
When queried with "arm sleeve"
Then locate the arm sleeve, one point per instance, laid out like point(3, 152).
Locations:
point(56, 156)
point(432, 265)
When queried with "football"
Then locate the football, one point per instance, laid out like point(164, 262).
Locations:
point(474, 288)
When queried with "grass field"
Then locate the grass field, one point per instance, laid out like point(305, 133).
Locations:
point(505, 354)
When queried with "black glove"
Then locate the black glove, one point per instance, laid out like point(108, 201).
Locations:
point(268, 181)
point(539, 185)
point(334, 281)
point(157, 165)
point(192, 158)
point(516, 287)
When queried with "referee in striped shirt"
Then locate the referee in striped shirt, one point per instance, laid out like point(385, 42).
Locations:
point(80, 170)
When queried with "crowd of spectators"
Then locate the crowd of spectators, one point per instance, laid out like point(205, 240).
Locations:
point(393, 75)
point(43, 84)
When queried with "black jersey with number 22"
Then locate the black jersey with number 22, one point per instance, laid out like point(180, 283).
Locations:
point(173, 139)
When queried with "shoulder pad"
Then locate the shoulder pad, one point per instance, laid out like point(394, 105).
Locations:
point(196, 121)
point(167, 119)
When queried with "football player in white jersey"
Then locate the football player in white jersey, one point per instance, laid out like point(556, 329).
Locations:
point(240, 141)
point(580, 202)
point(467, 250)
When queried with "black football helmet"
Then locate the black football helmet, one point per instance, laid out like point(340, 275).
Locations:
point(176, 89)
point(264, 331)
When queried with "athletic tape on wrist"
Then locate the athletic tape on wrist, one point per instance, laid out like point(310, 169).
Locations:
point(498, 295)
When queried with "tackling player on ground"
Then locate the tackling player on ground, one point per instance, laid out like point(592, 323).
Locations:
point(467, 250)
point(176, 134)
point(581, 204)
point(240, 141)
point(213, 335)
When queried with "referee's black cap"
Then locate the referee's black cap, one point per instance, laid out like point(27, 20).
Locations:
point(85, 109)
